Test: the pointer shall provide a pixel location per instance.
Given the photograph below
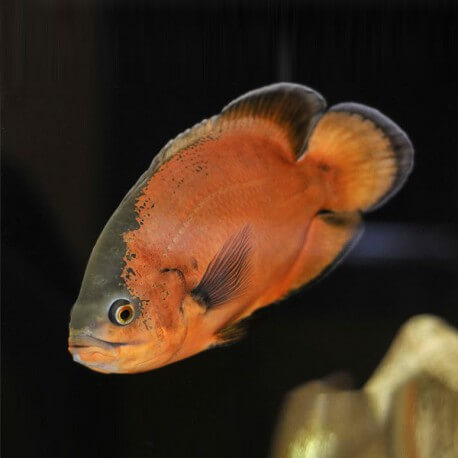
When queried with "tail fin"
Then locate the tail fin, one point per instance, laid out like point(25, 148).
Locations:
point(366, 156)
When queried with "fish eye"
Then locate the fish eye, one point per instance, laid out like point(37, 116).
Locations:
point(121, 312)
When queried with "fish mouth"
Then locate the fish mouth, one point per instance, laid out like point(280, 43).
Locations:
point(96, 354)
point(84, 341)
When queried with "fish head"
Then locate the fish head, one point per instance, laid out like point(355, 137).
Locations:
point(118, 328)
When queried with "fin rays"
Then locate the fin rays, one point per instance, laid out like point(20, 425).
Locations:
point(227, 275)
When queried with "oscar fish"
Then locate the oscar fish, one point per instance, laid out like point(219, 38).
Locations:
point(232, 215)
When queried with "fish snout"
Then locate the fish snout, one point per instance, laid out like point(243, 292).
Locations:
point(95, 353)
point(88, 341)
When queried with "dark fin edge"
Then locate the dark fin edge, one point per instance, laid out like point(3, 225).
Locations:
point(265, 102)
point(294, 107)
point(400, 143)
point(227, 275)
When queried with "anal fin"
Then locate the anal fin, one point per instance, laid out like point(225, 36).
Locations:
point(330, 237)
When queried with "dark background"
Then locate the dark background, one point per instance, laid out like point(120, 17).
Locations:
point(91, 91)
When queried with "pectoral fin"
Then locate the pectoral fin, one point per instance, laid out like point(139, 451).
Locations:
point(227, 275)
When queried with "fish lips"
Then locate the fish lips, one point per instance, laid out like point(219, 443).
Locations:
point(92, 352)
point(96, 354)
point(84, 341)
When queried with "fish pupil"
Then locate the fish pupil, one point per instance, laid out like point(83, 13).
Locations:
point(125, 314)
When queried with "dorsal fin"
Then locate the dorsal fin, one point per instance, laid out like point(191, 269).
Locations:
point(293, 108)
point(199, 132)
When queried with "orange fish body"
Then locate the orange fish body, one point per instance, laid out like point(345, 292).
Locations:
point(232, 215)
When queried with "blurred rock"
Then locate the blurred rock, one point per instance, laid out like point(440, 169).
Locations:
point(407, 409)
